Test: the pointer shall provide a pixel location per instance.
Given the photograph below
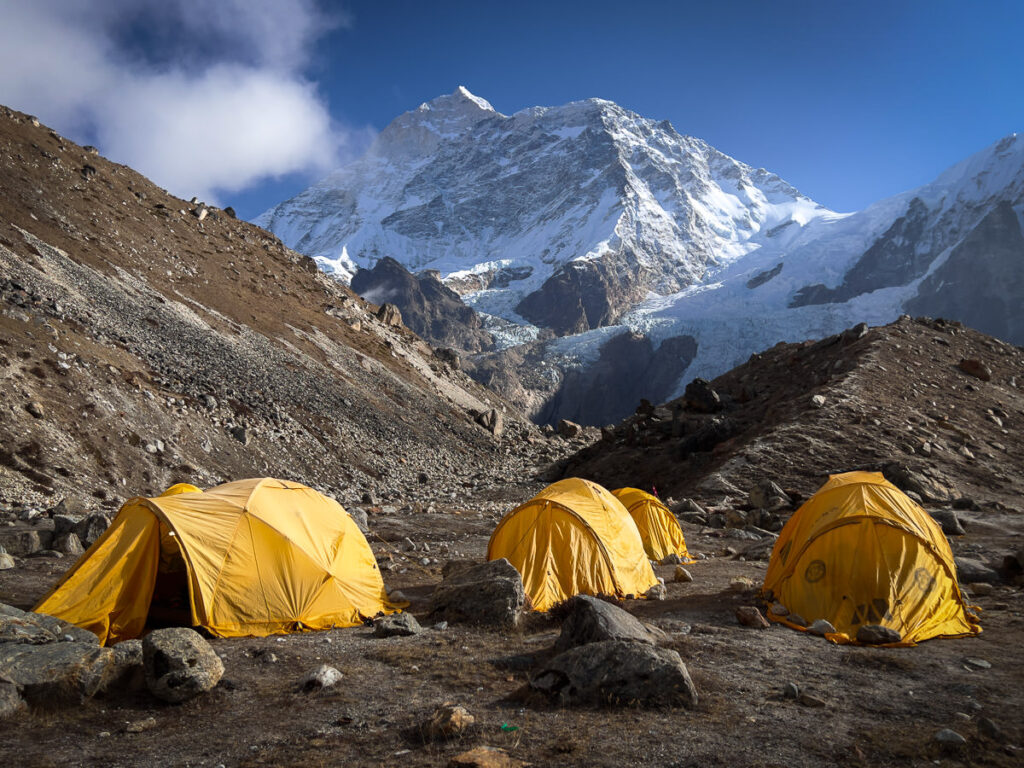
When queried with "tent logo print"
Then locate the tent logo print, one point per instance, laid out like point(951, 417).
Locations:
point(815, 571)
point(924, 580)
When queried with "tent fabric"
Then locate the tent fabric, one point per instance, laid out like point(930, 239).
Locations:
point(859, 551)
point(177, 488)
point(573, 538)
point(259, 557)
point(658, 527)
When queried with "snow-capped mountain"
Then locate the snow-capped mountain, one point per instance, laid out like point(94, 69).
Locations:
point(652, 255)
point(562, 216)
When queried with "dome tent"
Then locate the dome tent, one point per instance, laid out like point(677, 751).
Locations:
point(253, 557)
point(860, 552)
point(573, 538)
point(658, 527)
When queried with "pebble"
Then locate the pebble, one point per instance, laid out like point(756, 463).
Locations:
point(989, 729)
point(141, 725)
point(821, 627)
point(778, 609)
point(950, 737)
point(749, 616)
point(791, 691)
point(682, 575)
point(978, 663)
point(797, 619)
point(810, 701)
point(323, 676)
point(980, 588)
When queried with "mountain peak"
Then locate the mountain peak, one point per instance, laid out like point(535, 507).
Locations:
point(460, 102)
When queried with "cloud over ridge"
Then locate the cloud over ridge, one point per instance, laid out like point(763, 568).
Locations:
point(204, 99)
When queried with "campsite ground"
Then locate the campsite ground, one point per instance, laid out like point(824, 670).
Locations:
point(880, 706)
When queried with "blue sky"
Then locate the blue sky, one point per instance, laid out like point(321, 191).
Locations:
point(249, 101)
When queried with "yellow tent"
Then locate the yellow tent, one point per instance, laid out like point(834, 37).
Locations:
point(573, 538)
point(658, 527)
point(859, 551)
point(252, 557)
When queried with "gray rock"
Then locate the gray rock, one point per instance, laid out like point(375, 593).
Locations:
point(969, 570)
point(68, 544)
point(616, 672)
point(360, 517)
point(179, 664)
point(671, 559)
point(976, 368)
point(821, 627)
point(818, 401)
point(491, 421)
point(56, 672)
point(656, 592)
point(768, 494)
point(64, 630)
point(876, 634)
point(324, 676)
point(592, 620)
point(10, 699)
point(65, 523)
point(17, 629)
point(91, 528)
point(701, 397)
point(949, 737)
point(948, 520)
point(396, 625)
point(389, 314)
point(682, 575)
point(810, 701)
point(911, 480)
point(6, 562)
point(488, 594)
point(791, 691)
point(447, 722)
point(21, 543)
point(569, 429)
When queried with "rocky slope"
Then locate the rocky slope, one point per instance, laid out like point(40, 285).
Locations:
point(593, 222)
point(895, 398)
point(145, 340)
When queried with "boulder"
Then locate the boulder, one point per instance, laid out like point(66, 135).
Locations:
point(14, 629)
point(876, 634)
point(389, 314)
point(616, 672)
point(701, 397)
point(976, 368)
point(969, 570)
point(6, 561)
point(449, 721)
point(569, 429)
point(56, 672)
point(68, 544)
point(489, 594)
point(491, 421)
point(396, 625)
point(179, 664)
point(592, 620)
point(91, 528)
point(768, 495)
point(910, 480)
point(948, 520)
point(20, 542)
point(360, 517)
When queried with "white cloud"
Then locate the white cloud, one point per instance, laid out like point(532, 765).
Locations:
point(201, 98)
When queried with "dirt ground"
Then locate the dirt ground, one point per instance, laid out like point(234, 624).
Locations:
point(882, 706)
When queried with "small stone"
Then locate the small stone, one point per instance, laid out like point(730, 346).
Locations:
point(950, 737)
point(778, 609)
point(821, 627)
point(978, 663)
point(976, 368)
point(796, 619)
point(68, 544)
point(657, 592)
point(396, 625)
point(818, 401)
point(682, 575)
point(980, 588)
point(35, 409)
point(990, 730)
point(569, 429)
point(791, 691)
point(741, 584)
point(749, 616)
point(448, 722)
point(810, 701)
point(322, 677)
point(6, 561)
point(671, 559)
point(141, 725)
point(876, 634)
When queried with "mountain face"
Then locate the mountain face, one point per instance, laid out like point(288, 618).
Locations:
point(591, 223)
point(564, 216)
